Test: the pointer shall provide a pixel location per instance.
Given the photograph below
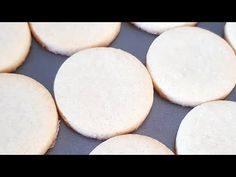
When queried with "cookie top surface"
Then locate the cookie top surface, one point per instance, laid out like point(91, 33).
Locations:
point(15, 41)
point(103, 92)
point(131, 144)
point(230, 33)
point(69, 38)
point(29, 120)
point(190, 65)
point(160, 27)
point(208, 129)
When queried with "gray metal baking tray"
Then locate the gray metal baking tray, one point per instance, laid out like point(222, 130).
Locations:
point(164, 118)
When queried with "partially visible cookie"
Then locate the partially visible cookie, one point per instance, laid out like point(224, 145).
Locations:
point(230, 33)
point(160, 27)
point(190, 66)
point(208, 129)
point(103, 92)
point(69, 38)
point(131, 144)
point(29, 120)
point(15, 42)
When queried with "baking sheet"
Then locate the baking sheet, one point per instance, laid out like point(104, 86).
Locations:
point(164, 118)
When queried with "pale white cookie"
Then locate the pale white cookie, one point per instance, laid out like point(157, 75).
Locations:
point(131, 144)
point(103, 92)
point(15, 42)
point(69, 38)
point(208, 129)
point(160, 27)
point(29, 120)
point(190, 66)
point(230, 33)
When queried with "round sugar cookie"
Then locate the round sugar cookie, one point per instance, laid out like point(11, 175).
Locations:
point(208, 129)
point(190, 66)
point(230, 33)
point(29, 120)
point(103, 92)
point(160, 27)
point(131, 144)
point(15, 42)
point(69, 38)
